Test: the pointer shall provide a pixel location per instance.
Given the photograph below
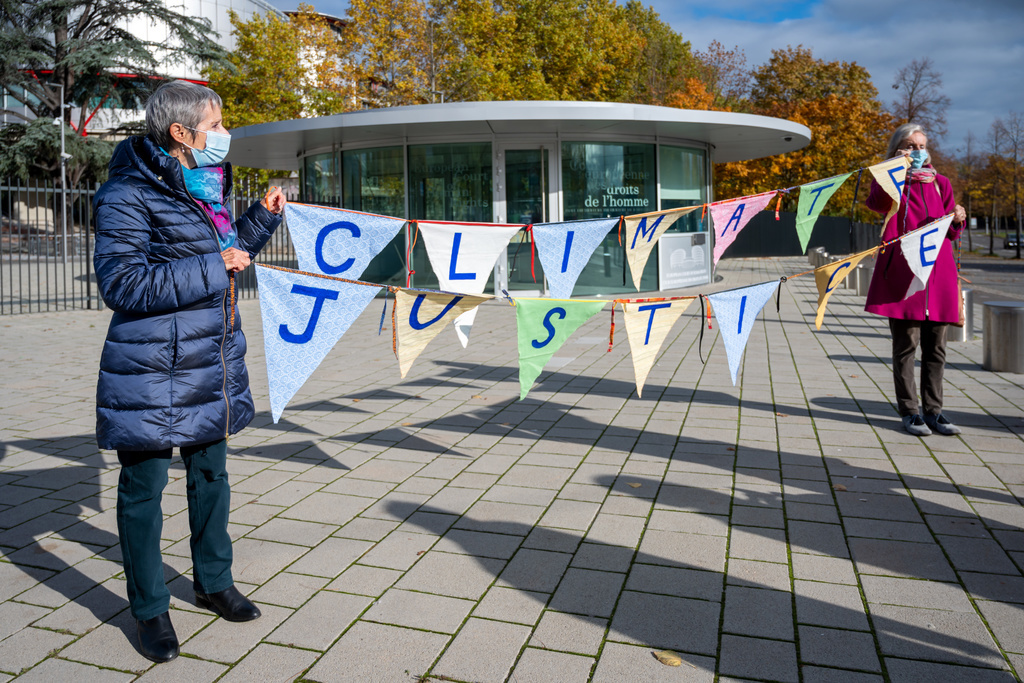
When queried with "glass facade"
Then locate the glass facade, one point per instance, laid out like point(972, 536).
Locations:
point(373, 180)
point(604, 179)
point(682, 173)
point(455, 182)
point(320, 180)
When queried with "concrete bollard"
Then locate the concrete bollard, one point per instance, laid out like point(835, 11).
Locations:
point(1003, 331)
point(965, 333)
point(864, 273)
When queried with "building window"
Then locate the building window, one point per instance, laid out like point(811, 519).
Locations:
point(320, 180)
point(374, 180)
point(683, 183)
point(606, 179)
point(450, 182)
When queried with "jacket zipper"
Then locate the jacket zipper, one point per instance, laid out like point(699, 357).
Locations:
point(223, 317)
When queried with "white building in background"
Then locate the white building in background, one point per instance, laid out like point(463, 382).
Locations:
point(106, 117)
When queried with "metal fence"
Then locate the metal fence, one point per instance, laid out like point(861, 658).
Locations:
point(46, 251)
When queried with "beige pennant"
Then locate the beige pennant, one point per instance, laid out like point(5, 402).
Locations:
point(643, 232)
point(890, 176)
point(830, 276)
point(647, 325)
point(420, 316)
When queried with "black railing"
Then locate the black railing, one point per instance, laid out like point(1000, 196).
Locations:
point(46, 259)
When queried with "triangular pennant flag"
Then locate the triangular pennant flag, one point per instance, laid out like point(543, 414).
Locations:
point(732, 215)
point(463, 256)
point(543, 326)
point(890, 176)
point(830, 276)
point(336, 241)
point(304, 316)
point(420, 316)
point(921, 248)
point(735, 311)
point(813, 197)
point(564, 250)
point(647, 325)
point(643, 232)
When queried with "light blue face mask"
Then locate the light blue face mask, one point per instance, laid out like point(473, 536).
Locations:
point(918, 158)
point(217, 146)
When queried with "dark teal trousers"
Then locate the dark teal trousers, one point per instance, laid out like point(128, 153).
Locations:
point(140, 521)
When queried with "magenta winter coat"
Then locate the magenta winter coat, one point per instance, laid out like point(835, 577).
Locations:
point(939, 302)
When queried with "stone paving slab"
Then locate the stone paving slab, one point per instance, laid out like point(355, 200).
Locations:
point(437, 528)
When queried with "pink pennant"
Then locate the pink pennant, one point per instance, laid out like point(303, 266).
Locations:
point(732, 215)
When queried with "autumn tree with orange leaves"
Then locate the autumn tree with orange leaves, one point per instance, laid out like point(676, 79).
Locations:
point(849, 128)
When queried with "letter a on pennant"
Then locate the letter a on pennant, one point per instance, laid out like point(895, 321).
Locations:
point(890, 176)
point(732, 215)
point(647, 325)
point(736, 310)
point(304, 316)
point(830, 276)
point(336, 241)
point(921, 248)
point(543, 325)
point(463, 256)
point(642, 233)
point(564, 250)
point(420, 316)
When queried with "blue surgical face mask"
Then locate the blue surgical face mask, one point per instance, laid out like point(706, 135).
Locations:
point(217, 146)
point(918, 158)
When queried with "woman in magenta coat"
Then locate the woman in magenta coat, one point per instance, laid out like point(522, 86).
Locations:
point(923, 318)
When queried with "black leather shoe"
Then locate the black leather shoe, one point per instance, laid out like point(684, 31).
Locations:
point(229, 604)
point(157, 640)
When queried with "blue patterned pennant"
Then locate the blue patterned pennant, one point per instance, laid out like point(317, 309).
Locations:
point(565, 248)
point(304, 316)
point(338, 242)
point(735, 311)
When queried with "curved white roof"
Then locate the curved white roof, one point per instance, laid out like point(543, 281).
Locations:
point(733, 137)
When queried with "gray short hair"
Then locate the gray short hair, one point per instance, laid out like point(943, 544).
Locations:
point(177, 102)
point(901, 135)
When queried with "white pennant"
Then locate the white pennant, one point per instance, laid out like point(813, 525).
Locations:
point(463, 256)
point(921, 249)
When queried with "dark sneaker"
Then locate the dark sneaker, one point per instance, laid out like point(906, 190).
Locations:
point(939, 423)
point(915, 425)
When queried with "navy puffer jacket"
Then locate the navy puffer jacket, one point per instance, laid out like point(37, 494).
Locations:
point(172, 371)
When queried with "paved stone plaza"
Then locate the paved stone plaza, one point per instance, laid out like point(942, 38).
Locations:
point(438, 529)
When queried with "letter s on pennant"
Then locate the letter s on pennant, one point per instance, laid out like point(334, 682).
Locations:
point(560, 312)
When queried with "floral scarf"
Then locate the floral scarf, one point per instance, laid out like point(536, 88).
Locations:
point(206, 185)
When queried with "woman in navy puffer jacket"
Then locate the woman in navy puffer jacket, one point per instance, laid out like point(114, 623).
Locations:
point(172, 373)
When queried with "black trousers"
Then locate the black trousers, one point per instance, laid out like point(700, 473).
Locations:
point(907, 335)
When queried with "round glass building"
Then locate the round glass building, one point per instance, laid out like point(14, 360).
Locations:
point(522, 162)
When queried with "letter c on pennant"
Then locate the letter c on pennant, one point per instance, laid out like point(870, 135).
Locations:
point(320, 296)
point(321, 236)
point(560, 312)
point(829, 287)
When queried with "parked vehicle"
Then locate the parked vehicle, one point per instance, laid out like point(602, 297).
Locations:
point(1010, 242)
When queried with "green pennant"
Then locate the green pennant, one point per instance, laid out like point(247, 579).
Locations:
point(544, 325)
point(813, 197)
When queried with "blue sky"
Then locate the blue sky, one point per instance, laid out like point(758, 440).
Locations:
point(978, 46)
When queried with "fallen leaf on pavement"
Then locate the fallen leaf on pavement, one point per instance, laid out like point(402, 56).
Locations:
point(667, 657)
point(634, 485)
point(838, 487)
